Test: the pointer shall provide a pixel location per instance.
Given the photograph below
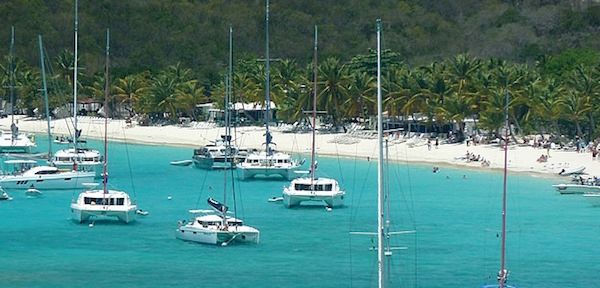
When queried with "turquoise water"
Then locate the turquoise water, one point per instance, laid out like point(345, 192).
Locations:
point(552, 238)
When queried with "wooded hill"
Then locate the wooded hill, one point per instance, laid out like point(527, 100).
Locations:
point(152, 34)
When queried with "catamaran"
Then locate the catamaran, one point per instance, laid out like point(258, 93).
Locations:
point(78, 158)
point(216, 226)
point(269, 161)
point(14, 141)
point(312, 188)
point(104, 203)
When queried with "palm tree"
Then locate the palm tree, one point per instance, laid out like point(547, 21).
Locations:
point(129, 90)
point(546, 103)
point(360, 91)
point(586, 87)
point(333, 90)
point(188, 95)
point(287, 88)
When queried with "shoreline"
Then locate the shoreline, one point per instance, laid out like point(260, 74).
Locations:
point(522, 158)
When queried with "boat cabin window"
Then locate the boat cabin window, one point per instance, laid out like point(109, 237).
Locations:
point(46, 172)
point(307, 187)
point(104, 201)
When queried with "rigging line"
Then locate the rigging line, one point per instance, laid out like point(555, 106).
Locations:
point(410, 191)
point(337, 153)
point(233, 186)
point(128, 162)
point(240, 194)
point(201, 190)
point(362, 189)
point(411, 209)
point(54, 83)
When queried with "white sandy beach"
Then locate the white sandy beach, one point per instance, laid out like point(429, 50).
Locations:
point(521, 158)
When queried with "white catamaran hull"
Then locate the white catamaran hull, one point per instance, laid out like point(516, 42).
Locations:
point(83, 213)
point(295, 199)
point(253, 171)
point(212, 163)
point(217, 237)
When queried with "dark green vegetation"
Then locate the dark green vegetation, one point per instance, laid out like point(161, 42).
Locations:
point(442, 59)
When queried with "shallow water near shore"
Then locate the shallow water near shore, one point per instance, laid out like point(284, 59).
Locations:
point(552, 239)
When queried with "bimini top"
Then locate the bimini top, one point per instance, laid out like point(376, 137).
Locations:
point(264, 155)
point(82, 155)
point(98, 197)
point(318, 184)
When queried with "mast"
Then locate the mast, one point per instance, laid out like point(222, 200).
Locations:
point(75, 138)
point(268, 137)
point(503, 273)
point(228, 93)
point(106, 94)
point(45, 91)
point(228, 155)
point(12, 76)
point(380, 227)
point(314, 114)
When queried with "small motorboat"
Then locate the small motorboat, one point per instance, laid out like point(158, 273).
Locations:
point(572, 171)
point(182, 163)
point(33, 192)
point(142, 212)
point(4, 195)
point(275, 199)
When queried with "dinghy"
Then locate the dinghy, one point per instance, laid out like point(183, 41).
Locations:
point(181, 163)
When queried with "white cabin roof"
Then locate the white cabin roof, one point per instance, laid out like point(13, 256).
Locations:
point(70, 152)
point(20, 161)
point(263, 155)
point(317, 181)
point(100, 194)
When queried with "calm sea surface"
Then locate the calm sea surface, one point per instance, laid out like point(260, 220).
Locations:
point(552, 239)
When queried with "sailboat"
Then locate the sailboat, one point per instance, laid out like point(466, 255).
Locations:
point(383, 234)
point(105, 202)
point(13, 140)
point(78, 158)
point(27, 175)
point(216, 155)
point(216, 226)
point(269, 161)
point(313, 188)
point(502, 276)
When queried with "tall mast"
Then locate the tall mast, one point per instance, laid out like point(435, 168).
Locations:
point(228, 93)
point(267, 82)
point(106, 95)
point(228, 155)
point(380, 226)
point(502, 274)
point(12, 74)
point(314, 113)
point(75, 138)
point(45, 91)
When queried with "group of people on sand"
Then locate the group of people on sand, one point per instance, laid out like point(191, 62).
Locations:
point(542, 158)
point(437, 143)
point(472, 158)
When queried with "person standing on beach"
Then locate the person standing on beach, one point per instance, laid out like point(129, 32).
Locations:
point(437, 143)
point(429, 144)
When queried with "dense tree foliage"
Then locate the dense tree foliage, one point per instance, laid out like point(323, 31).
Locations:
point(446, 60)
